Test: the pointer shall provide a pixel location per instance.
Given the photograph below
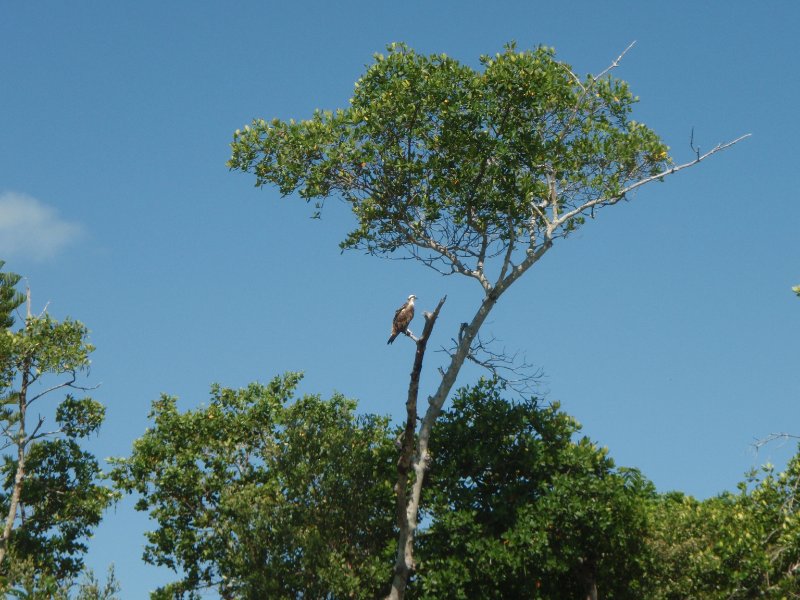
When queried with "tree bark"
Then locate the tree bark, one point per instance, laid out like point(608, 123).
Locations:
point(22, 442)
point(407, 518)
point(20, 474)
point(408, 505)
point(591, 582)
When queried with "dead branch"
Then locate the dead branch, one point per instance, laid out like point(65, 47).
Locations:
point(515, 372)
point(616, 62)
point(406, 517)
point(64, 384)
point(773, 437)
point(510, 368)
point(603, 201)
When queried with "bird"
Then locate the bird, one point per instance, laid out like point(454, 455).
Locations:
point(402, 318)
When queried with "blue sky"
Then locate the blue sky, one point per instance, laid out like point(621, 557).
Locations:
point(666, 326)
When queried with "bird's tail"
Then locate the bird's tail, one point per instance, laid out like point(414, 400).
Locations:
point(391, 338)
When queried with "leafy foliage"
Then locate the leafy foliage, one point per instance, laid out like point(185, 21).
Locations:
point(261, 495)
point(740, 545)
point(33, 584)
point(519, 509)
point(469, 171)
point(265, 497)
point(455, 165)
point(10, 298)
point(61, 503)
point(51, 498)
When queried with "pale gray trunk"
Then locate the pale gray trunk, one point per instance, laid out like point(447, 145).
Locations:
point(405, 551)
point(19, 477)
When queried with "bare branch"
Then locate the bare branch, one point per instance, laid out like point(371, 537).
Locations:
point(532, 257)
point(36, 429)
point(44, 310)
point(714, 150)
point(458, 266)
point(616, 62)
point(44, 434)
point(691, 144)
point(509, 251)
point(532, 223)
point(516, 373)
point(553, 200)
point(773, 437)
point(574, 77)
point(482, 252)
point(64, 384)
point(603, 201)
point(613, 65)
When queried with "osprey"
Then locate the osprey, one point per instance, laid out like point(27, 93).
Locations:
point(402, 317)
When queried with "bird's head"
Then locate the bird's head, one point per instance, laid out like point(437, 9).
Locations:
point(411, 298)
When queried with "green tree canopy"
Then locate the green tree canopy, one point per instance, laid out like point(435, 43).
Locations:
point(522, 508)
point(471, 171)
point(732, 546)
point(10, 297)
point(50, 498)
point(266, 496)
point(456, 165)
point(262, 495)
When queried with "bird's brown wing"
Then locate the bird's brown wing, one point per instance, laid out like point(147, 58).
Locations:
point(402, 318)
point(398, 311)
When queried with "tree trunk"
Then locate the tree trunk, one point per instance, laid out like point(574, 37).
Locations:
point(591, 582)
point(19, 477)
point(20, 474)
point(404, 564)
point(407, 519)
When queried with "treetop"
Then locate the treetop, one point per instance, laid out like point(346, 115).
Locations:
point(453, 164)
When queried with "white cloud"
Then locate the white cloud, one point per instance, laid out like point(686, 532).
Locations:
point(32, 229)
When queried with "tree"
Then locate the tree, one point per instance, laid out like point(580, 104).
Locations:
point(521, 509)
point(10, 298)
point(264, 496)
point(51, 499)
point(735, 545)
point(261, 495)
point(470, 172)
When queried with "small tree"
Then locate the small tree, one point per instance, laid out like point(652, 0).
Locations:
point(50, 496)
point(476, 172)
point(264, 496)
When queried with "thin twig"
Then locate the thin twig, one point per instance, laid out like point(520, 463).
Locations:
point(616, 62)
point(603, 201)
point(772, 437)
